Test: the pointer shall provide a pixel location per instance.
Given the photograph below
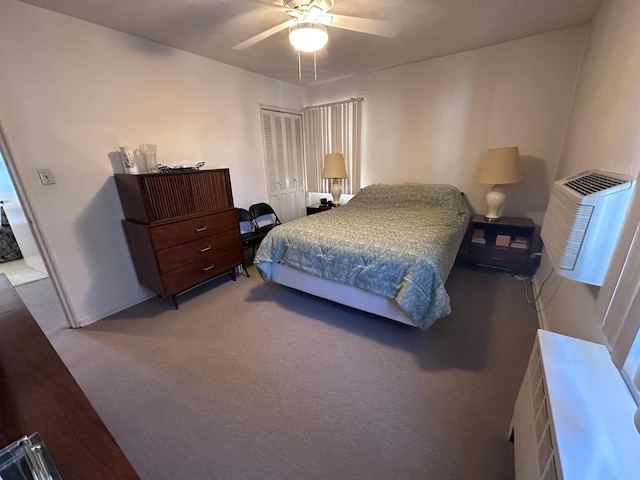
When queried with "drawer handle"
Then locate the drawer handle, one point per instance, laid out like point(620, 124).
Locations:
point(205, 249)
point(496, 258)
point(206, 269)
point(201, 229)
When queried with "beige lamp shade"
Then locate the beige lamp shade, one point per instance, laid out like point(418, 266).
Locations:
point(334, 166)
point(500, 166)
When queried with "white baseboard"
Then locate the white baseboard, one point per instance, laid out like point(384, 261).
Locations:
point(114, 309)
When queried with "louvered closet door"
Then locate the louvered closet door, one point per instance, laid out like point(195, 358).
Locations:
point(284, 163)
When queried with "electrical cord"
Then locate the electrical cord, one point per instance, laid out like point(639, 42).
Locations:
point(527, 282)
point(542, 285)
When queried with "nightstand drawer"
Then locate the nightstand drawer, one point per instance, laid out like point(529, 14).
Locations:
point(496, 257)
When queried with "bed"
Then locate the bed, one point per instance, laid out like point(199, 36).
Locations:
point(388, 251)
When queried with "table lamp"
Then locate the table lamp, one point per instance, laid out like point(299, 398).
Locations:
point(500, 166)
point(334, 168)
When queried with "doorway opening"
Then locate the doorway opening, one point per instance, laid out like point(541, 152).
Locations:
point(26, 264)
point(20, 259)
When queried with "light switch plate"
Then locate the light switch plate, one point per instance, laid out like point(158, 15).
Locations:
point(46, 177)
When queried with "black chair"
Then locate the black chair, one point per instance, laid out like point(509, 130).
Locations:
point(249, 233)
point(264, 216)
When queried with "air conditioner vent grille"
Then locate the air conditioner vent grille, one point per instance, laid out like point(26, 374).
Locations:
point(593, 183)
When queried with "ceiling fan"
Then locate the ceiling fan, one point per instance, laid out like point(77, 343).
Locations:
point(307, 27)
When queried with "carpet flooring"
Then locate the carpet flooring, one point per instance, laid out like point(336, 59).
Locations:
point(251, 380)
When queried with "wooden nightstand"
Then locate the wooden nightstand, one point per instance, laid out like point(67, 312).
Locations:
point(311, 209)
point(504, 244)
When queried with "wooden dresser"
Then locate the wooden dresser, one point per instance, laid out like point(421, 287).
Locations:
point(181, 228)
point(38, 394)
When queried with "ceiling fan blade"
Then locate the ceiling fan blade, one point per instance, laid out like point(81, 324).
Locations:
point(383, 28)
point(266, 34)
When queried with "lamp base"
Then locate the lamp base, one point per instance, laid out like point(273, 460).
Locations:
point(336, 190)
point(495, 202)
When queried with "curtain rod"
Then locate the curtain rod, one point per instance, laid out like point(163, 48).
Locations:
point(280, 110)
point(350, 100)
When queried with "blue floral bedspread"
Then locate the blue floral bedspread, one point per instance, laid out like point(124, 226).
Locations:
point(397, 241)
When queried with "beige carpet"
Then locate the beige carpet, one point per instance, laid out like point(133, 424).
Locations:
point(249, 380)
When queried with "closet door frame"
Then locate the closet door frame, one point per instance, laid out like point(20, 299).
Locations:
point(282, 135)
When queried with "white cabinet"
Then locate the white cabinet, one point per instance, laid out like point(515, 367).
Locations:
point(284, 163)
point(573, 418)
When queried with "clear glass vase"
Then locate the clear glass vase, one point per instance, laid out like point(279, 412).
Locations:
point(149, 153)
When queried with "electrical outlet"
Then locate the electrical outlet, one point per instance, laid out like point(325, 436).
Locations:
point(46, 177)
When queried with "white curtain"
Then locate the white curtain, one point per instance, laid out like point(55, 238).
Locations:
point(333, 128)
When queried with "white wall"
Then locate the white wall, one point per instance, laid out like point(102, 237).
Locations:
point(73, 92)
point(603, 133)
point(432, 121)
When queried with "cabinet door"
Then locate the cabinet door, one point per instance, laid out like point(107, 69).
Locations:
point(211, 190)
point(149, 198)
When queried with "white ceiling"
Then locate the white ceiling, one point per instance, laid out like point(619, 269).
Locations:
point(430, 28)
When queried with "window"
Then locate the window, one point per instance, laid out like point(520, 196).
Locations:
point(618, 302)
point(333, 128)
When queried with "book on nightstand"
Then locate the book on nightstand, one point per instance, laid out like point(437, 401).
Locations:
point(478, 237)
point(503, 240)
point(520, 242)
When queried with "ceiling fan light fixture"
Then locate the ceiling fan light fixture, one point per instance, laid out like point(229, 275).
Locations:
point(308, 36)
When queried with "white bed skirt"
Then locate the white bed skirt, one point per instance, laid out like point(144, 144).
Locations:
point(340, 293)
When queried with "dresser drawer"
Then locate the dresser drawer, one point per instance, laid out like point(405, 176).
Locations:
point(208, 267)
point(169, 235)
point(180, 255)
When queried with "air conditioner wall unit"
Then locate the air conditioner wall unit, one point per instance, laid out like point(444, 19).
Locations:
point(583, 222)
